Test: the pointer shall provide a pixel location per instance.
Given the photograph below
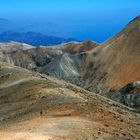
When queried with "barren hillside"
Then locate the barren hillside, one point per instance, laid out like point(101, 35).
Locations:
point(38, 107)
point(64, 61)
point(116, 62)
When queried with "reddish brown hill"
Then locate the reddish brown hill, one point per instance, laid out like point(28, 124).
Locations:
point(78, 47)
point(116, 62)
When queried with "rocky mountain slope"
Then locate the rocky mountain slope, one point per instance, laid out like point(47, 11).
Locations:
point(64, 61)
point(8, 48)
point(14, 46)
point(78, 47)
point(116, 62)
point(128, 95)
point(38, 107)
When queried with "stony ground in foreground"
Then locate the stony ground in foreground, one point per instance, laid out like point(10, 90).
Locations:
point(37, 107)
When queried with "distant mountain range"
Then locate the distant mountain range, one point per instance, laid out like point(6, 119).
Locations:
point(6, 25)
point(33, 38)
point(48, 28)
point(35, 34)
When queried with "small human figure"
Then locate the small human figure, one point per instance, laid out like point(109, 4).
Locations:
point(41, 113)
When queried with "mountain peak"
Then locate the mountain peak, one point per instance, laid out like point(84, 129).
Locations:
point(135, 20)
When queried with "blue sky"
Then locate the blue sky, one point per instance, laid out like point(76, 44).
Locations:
point(85, 19)
point(68, 5)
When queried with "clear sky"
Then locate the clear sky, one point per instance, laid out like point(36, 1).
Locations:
point(85, 19)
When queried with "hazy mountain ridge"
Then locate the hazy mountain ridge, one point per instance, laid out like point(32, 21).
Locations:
point(36, 34)
point(32, 38)
point(6, 25)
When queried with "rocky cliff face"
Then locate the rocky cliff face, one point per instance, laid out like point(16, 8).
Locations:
point(131, 94)
point(128, 95)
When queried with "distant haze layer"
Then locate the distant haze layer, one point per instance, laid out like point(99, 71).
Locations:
point(83, 20)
